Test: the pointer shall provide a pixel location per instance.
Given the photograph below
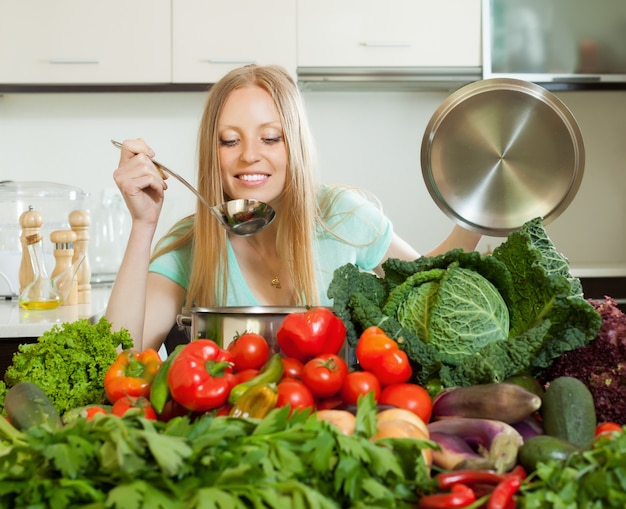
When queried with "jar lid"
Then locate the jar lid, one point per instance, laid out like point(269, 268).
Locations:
point(13, 191)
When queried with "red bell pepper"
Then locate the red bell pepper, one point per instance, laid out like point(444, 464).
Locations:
point(200, 378)
point(131, 374)
point(311, 333)
point(381, 355)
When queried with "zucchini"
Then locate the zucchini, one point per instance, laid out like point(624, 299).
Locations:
point(27, 406)
point(568, 411)
point(544, 448)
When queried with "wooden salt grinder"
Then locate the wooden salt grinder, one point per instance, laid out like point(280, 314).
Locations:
point(79, 221)
point(31, 222)
point(64, 241)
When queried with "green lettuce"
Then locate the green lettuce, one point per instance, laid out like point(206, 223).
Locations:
point(465, 318)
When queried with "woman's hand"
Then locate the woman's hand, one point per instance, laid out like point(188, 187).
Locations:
point(140, 182)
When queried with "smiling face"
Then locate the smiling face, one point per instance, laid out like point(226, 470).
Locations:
point(252, 151)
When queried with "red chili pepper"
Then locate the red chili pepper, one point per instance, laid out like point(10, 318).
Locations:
point(200, 378)
point(447, 479)
point(460, 495)
point(503, 493)
point(519, 472)
point(131, 374)
point(380, 355)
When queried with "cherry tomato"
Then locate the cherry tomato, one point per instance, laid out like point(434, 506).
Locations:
point(608, 428)
point(411, 397)
point(294, 393)
point(332, 403)
point(245, 375)
point(292, 368)
point(249, 351)
point(358, 383)
point(127, 403)
point(92, 411)
point(324, 375)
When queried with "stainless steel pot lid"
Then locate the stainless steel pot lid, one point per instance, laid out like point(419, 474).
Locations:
point(500, 152)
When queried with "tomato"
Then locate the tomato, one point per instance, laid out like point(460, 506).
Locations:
point(294, 393)
point(245, 375)
point(332, 403)
point(608, 428)
point(292, 368)
point(249, 351)
point(324, 375)
point(127, 403)
point(313, 332)
point(359, 383)
point(92, 411)
point(379, 354)
point(411, 397)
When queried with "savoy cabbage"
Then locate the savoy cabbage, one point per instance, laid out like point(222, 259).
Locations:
point(465, 318)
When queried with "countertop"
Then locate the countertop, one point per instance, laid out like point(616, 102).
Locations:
point(16, 322)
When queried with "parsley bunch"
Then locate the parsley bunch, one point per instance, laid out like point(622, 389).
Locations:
point(213, 462)
point(593, 478)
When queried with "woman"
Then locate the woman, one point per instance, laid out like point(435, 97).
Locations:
point(254, 142)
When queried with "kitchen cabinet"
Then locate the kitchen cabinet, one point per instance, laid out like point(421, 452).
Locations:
point(390, 33)
point(85, 41)
point(210, 38)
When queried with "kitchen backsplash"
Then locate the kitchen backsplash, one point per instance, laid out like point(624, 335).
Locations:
point(368, 139)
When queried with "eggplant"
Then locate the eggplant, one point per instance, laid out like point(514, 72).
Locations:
point(456, 454)
point(495, 440)
point(505, 402)
point(529, 428)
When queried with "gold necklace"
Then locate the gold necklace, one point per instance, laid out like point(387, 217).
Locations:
point(276, 282)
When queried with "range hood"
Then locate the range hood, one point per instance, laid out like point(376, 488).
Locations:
point(575, 42)
point(386, 78)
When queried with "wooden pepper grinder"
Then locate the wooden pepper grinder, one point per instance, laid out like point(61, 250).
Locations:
point(79, 221)
point(31, 222)
point(64, 277)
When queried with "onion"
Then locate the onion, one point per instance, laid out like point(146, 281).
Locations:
point(404, 415)
point(341, 419)
point(400, 428)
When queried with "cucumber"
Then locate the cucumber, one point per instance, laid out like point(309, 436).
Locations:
point(543, 448)
point(26, 406)
point(568, 411)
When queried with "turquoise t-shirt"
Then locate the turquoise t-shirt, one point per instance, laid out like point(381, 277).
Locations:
point(361, 235)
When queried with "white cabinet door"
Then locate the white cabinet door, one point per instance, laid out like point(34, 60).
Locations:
point(84, 41)
point(389, 33)
point(212, 37)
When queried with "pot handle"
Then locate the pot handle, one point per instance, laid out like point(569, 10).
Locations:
point(183, 320)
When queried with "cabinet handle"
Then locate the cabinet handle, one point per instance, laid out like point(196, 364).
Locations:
point(72, 61)
point(386, 44)
point(239, 61)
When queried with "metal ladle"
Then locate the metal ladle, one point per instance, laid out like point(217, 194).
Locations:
point(241, 217)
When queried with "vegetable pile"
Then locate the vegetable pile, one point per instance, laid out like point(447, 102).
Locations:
point(600, 365)
point(280, 461)
point(464, 318)
point(68, 362)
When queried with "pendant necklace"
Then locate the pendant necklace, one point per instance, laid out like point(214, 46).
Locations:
point(276, 282)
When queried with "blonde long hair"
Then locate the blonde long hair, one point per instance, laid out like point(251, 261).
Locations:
point(208, 283)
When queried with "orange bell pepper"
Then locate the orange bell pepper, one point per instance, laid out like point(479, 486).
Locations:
point(131, 374)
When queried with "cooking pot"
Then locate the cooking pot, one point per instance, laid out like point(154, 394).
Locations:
point(223, 324)
point(500, 152)
point(54, 201)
